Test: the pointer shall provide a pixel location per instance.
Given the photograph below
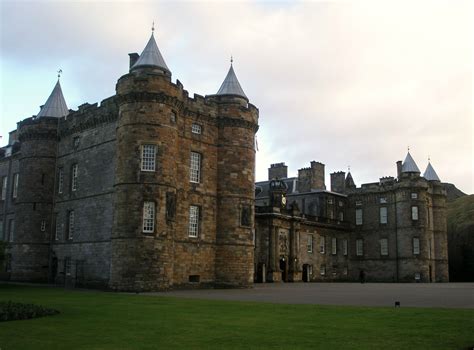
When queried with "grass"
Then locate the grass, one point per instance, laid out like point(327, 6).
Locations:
point(99, 320)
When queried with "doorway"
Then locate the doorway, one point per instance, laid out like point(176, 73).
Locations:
point(284, 269)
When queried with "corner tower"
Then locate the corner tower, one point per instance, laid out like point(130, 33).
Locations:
point(34, 190)
point(237, 125)
point(145, 174)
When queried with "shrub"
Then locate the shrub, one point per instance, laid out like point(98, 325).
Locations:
point(10, 311)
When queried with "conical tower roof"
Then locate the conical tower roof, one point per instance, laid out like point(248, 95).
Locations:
point(231, 85)
point(55, 105)
point(409, 165)
point(350, 181)
point(151, 56)
point(430, 174)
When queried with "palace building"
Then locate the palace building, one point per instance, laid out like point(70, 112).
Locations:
point(154, 189)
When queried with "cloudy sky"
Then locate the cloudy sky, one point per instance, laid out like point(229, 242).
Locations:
point(340, 82)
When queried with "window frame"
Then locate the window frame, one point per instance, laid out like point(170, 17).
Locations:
point(148, 159)
point(11, 230)
point(309, 244)
point(416, 246)
point(359, 247)
point(345, 247)
point(383, 215)
point(60, 180)
point(194, 221)
point(383, 246)
point(322, 245)
point(148, 217)
point(16, 180)
point(333, 245)
point(359, 219)
point(196, 129)
point(4, 187)
point(195, 167)
point(415, 214)
point(74, 176)
point(57, 227)
point(70, 224)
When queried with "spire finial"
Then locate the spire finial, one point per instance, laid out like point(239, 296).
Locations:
point(408, 148)
point(348, 168)
point(153, 27)
point(231, 60)
point(429, 159)
point(59, 73)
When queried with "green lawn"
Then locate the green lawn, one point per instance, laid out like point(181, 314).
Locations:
point(99, 320)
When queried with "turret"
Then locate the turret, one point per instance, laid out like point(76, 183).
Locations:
point(35, 189)
point(145, 175)
point(237, 123)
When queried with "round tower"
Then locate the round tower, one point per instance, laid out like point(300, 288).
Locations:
point(33, 190)
point(146, 174)
point(238, 123)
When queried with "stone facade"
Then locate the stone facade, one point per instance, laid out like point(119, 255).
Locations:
point(79, 214)
point(153, 189)
point(390, 231)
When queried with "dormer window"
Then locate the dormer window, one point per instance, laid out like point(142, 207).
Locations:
point(383, 200)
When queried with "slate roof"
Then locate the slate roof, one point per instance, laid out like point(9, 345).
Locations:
point(430, 173)
point(151, 56)
point(409, 165)
point(55, 105)
point(231, 85)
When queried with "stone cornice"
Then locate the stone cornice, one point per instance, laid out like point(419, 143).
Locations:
point(87, 123)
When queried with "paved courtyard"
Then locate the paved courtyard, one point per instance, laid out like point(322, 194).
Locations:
point(446, 295)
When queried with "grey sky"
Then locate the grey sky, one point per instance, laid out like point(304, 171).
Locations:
point(344, 83)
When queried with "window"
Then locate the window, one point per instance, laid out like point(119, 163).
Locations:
point(1, 230)
point(322, 270)
point(416, 246)
point(74, 177)
point(75, 142)
point(173, 117)
point(43, 225)
point(246, 216)
point(414, 195)
point(334, 270)
point(70, 225)
point(67, 266)
point(60, 180)
point(340, 203)
point(358, 216)
point(345, 270)
point(344, 247)
point(414, 213)
point(193, 221)
point(341, 216)
point(195, 170)
point(148, 157)
point(383, 215)
point(57, 229)
point(15, 185)
point(359, 247)
point(309, 245)
point(4, 188)
point(196, 129)
point(149, 217)
point(383, 200)
point(330, 201)
point(322, 245)
point(358, 203)
point(11, 230)
point(384, 246)
point(334, 246)
point(331, 214)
